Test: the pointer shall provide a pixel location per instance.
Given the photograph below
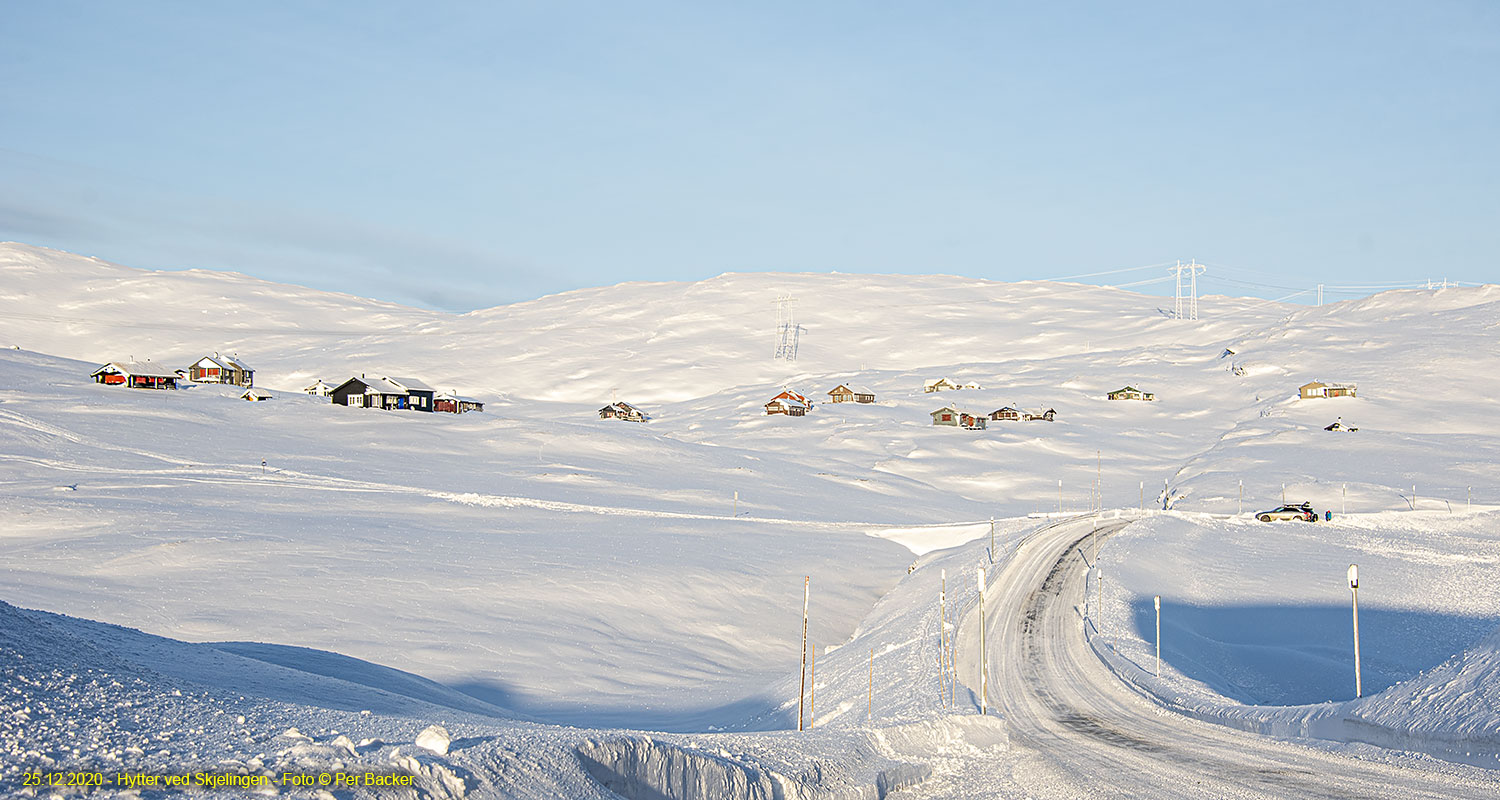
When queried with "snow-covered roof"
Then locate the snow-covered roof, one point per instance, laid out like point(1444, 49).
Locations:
point(259, 394)
point(145, 369)
point(851, 388)
point(949, 408)
point(453, 396)
point(787, 401)
point(224, 361)
point(410, 384)
point(317, 383)
point(376, 385)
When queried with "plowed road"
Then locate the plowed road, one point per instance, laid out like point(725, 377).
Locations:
point(1078, 731)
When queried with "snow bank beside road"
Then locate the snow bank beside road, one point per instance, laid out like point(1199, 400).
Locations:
point(1257, 626)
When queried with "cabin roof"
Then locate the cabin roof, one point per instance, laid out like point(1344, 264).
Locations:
point(410, 384)
point(225, 361)
point(145, 369)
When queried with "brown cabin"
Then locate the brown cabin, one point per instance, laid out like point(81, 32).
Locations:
point(1130, 393)
point(844, 393)
point(219, 369)
point(624, 411)
point(1319, 389)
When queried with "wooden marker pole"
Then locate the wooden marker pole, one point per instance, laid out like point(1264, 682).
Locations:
point(992, 539)
point(736, 504)
point(802, 693)
point(1242, 497)
point(870, 698)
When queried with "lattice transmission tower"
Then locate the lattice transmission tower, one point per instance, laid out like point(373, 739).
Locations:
point(788, 332)
point(1188, 309)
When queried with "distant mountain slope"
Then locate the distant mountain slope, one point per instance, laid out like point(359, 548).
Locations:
point(651, 342)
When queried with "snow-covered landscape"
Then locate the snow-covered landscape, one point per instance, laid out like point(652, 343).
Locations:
point(532, 601)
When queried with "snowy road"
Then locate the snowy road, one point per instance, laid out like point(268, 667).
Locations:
point(1078, 730)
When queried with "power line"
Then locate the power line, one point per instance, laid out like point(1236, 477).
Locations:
point(1106, 272)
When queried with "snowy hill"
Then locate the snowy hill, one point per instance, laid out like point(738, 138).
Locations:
point(550, 566)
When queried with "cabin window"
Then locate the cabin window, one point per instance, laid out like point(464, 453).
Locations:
point(947, 417)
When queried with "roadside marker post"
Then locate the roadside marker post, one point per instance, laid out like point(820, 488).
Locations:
point(1094, 532)
point(802, 693)
point(1099, 610)
point(992, 540)
point(943, 637)
point(1242, 496)
point(870, 698)
point(1354, 588)
point(1158, 636)
point(984, 661)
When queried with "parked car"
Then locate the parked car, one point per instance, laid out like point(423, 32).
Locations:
point(1301, 512)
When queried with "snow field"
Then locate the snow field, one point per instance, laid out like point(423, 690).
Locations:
point(542, 568)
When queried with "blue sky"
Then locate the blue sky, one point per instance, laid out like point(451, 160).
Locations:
point(466, 155)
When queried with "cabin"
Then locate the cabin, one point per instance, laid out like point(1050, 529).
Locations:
point(958, 418)
point(940, 385)
point(1045, 415)
point(624, 411)
point(319, 389)
point(1318, 389)
point(255, 395)
point(135, 375)
point(1007, 414)
point(1339, 426)
point(844, 393)
point(365, 392)
point(219, 369)
point(454, 403)
point(419, 395)
point(789, 403)
point(1130, 393)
